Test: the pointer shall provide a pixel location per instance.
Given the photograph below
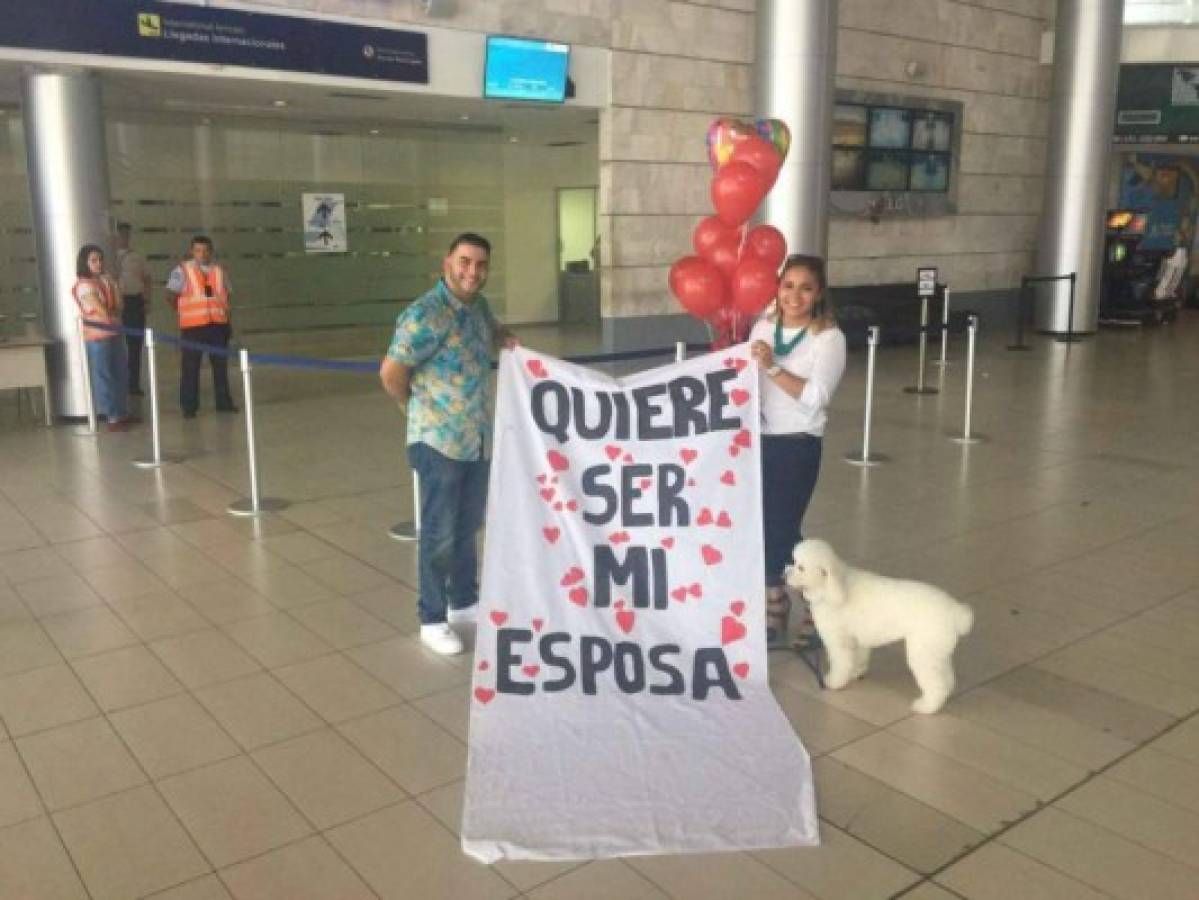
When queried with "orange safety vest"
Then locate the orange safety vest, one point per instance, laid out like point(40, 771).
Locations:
point(195, 307)
point(100, 304)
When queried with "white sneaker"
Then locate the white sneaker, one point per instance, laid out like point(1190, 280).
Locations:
point(468, 615)
point(440, 638)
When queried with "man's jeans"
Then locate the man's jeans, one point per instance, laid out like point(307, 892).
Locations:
point(453, 498)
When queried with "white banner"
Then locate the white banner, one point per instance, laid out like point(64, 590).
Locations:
point(620, 702)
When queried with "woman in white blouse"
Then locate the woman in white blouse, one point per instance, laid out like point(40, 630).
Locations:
point(800, 353)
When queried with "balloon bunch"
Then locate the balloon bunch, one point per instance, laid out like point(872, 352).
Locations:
point(734, 274)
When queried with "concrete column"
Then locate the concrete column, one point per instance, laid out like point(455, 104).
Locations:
point(796, 66)
point(1082, 106)
point(68, 181)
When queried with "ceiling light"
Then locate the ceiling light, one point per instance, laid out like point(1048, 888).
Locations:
point(464, 117)
point(279, 103)
point(374, 131)
point(514, 139)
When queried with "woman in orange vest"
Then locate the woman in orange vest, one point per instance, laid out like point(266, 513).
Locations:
point(99, 302)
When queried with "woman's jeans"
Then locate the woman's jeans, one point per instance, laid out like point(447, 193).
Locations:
point(453, 498)
point(790, 464)
point(110, 373)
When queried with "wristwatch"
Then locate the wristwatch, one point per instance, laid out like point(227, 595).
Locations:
point(774, 370)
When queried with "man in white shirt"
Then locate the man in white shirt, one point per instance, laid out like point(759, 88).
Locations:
point(133, 276)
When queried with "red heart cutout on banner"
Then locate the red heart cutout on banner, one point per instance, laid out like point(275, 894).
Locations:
point(737, 607)
point(536, 368)
point(578, 596)
point(537, 623)
point(572, 505)
point(680, 594)
point(704, 517)
point(625, 619)
point(613, 451)
point(484, 665)
point(619, 604)
point(739, 397)
point(628, 457)
point(711, 555)
point(741, 669)
point(558, 506)
point(547, 494)
point(696, 590)
point(731, 630)
point(533, 669)
point(499, 618)
point(723, 520)
point(554, 480)
point(739, 364)
point(484, 695)
point(743, 438)
point(573, 576)
point(667, 542)
point(728, 478)
point(688, 455)
point(619, 537)
point(734, 449)
point(551, 534)
point(645, 483)
point(729, 362)
point(690, 482)
point(541, 478)
point(557, 461)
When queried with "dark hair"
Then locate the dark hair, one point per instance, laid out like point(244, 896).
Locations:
point(202, 239)
point(471, 240)
point(81, 269)
point(822, 312)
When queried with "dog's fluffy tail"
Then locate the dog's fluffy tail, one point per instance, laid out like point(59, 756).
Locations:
point(963, 619)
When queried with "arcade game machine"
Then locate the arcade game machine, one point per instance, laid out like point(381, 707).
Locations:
point(1129, 273)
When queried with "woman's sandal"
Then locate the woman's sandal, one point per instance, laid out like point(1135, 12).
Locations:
point(778, 611)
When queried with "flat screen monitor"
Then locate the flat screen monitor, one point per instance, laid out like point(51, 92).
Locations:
point(522, 69)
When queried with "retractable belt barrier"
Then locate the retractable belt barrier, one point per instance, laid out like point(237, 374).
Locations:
point(255, 504)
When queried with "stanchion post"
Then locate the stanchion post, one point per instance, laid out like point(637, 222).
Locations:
point(944, 361)
point(920, 387)
point(680, 351)
point(1021, 315)
point(254, 505)
point(1070, 337)
point(866, 458)
point(89, 402)
point(967, 436)
point(156, 458)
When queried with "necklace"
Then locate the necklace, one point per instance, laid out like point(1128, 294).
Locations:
point(781, 347)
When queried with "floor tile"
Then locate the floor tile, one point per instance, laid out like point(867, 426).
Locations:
point(1160, 775)
point(394, 604)
point(276, 640)
point(257, 710)
point(327, 778)
point(416, 753)
point(204, 657)
point(129, 845)
point(1181, 741)
point(232, 810)
point(79, 762)
point(407, 668)
point(123, 581)
point(710, 876)
point(600, 880)
point(18, 799)
point(996, 872)
point(449, 709)
point(126, 677)
point(307, 870)
point(840, 866)
point(344, 574)
point(34, 864)
point(88, 631)
point(63, 593)
point(43, 698)
point(208, 887)
point(172, 735)
point(821, 727)
point(159, 615)
point(343, 624)
point(336, 688)
point(25, 645)
point(1101, 859)
point(403, 852)
point(225, 601)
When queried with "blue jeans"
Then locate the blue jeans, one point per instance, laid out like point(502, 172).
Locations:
point(453, 498)
point(790, 464)
point(110, 377)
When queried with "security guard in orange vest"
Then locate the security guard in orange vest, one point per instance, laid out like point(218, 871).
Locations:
point(198, 291)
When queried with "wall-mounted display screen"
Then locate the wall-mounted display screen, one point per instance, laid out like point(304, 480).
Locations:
point(891, 148)
point(521, 69)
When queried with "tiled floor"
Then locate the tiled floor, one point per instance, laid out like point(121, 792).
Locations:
point(197, 706)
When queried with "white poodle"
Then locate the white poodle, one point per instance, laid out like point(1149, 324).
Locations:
point(856, 611)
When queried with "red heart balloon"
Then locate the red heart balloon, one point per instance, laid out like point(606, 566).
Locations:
point(712, 232)
point(753, 285)
point(725, 258)
point(737, 189)
point(765, 242)
point(760, 154)
point(699, 286)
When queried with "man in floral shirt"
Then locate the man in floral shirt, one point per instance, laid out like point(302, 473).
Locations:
point(438, 368)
